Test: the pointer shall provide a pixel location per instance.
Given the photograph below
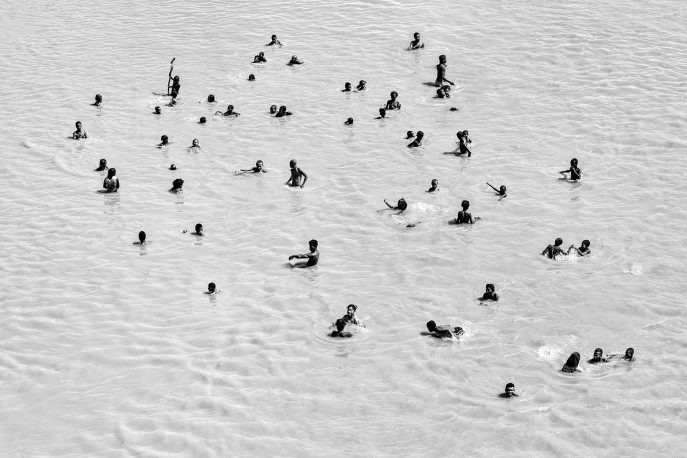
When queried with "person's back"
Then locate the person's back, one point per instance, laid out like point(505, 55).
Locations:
point(340, 325)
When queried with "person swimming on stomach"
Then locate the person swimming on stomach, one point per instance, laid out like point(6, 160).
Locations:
point(509, 392)
point(572, 363)
point(499, 192)
point(441, 72)
point(230, 112)
point(551, 251)
point(312, 258)
point(296, 175)
point(418, 140)
point(574, 171)
point(463, 216)
point(401, 205)
point(340, 325)
point(434, 187)
point(444, 330)
point(257, 169)
point(490, 293)
point(111, 182)
point(583, 250)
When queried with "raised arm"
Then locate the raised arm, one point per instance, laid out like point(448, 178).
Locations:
point(494, 188)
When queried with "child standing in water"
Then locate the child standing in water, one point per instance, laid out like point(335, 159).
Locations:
point(111, 182)
point(296, 174)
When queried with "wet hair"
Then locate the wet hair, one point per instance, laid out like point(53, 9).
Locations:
point(157, 108)
point(402, 204)
point(292, 162)
point(230, 107)
point(77, 123)
point(274, 36)
point(178, 183)
point(394, 93)
point(211, 98)
point(431, 325)
point(510, 385)
point(442, 57)
point(259, 161)
point(340, 325)
point(199, 227)
point(416, 33)
point(164, 137)
point(202, 120)
point(435, 181)
point(111, 172)
point(491, 286)
point(599, 350)
point(176, 78)
point(211, 287)
point(355, 307)
point(103, 161)
point(559, 241)
point(347, 84)
point(349, 121)
point(465, 204)
point(409, 134)
point(382, 112)
point(573, 360)
point(573, 161)
point(502, 188)
point(585, 243)
point(282, 109)
point(251, 77)
point(313, 243)
point(420, 134)
point(172, 167)
point(631, 351)
point(142, 236)
point(273, 109)
point(98, 97)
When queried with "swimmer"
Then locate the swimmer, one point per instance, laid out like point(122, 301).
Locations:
point(465, 135)
point(401, 205)
point(572, 363)
point(409, 135)
point(141, 238)
point(295, 61)
point(418, 140)
point(443, 330)
point(463, 216)
point(361, 85)
point(257, 169)
point(195, 144)
point(313, 257)
point(198, 230)
point(230, 111)
point(172, 167)
point(583, 250)
point(349, 122)
point(98, 100)
point(251, 77)
point(176, 186)
point(500, 192)
point(274, 42)
point(260, 58)
point(164, 141)
point(212, 288)
point(416, 43)
point(176, 86)
point(202, 120)
point(340, 325)
point(158, 110)
point(111, 182)
point(509, 392)
point(282, 112)
point(490, 293)
point(444, 92)
point(574, 171)
point(551, 251)
point(296, 174)
point(102, 166)
point(350, 317)
point(392, 103)
point(382, 114)
point(169, 81)
point(453, 109)
point(347, 87)
point(211, 98)
point(273, 109)
point(435, 186)
point(598, 357)
point(463, 144)
point(79, 132)
point(441, 72)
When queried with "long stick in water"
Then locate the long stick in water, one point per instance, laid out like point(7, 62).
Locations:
point(169, 81)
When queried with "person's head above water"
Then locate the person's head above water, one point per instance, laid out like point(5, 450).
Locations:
point(573, 361)
point(490, 287)
point(465, 204)
point(431, 326)
point(211, 98)
point(558, 242)
point(382, 112)
point(629, 354)
point(103, 163)
point(350, 310)
point(195, 143)
point(402, 204)
point(409, 134)
point(199, 228)
point(202, 120)
point(573, 162)
point(416, 35)
point(211, 287)
point(158, 110)
point(164, 139)
point(585, 243)
point(258, 164)
point(251, 77)
point(142, 236)
point(313, 245)
point(273, 109)
point(442, 59)
point(177, 184)
point(349, 121)
point(274, 37)
point(347, 86)
point(393, 95)
point(282, 109)
point(420, 135)
point(176, 79)
point(510, 389)
point(361, 85)
point(435, 183)
point(77, 124)
point(111, 173)
point(598, 353)
point(172, 167)
point(98, 98)
point(340, 325)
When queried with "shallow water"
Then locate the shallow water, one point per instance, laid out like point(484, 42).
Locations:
point(110, 349)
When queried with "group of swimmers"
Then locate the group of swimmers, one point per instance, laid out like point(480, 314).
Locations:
point(298, 178)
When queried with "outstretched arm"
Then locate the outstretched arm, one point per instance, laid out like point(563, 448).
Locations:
point(387, 204)
point(494, 188)
point(564, 171)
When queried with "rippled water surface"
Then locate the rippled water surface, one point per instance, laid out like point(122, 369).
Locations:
point(112, 349)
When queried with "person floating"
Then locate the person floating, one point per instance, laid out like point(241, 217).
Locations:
point(490, 293)
point(164, 141)
point(441, 72)
point(177, 184)
point(574, 171)
point(260, 58)
point(463, 216)
point(111, 182)
point(583, 250)
point(340, 325)
point(572, 363)
point(79, 133)
point(347, 87)
point(597, 357)
point(296, 175)
point(551, 251)
point(392, 103)
point(98, 100)
point(312, 258)
point(509, 392)
point(499, 192)
point(416, 43)
point(349, 122)
point(257, 169)
point(141, 238)
point(274, 42)
point(418, 140)
point(435, 186)
point(294, 61)
point(401, 205)
point(102, 166)
point(444, 330)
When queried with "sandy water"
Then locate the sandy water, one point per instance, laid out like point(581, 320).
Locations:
point(110, 349)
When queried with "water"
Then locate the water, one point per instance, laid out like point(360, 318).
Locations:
point(110, 349)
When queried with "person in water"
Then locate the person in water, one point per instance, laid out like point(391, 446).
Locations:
point(195, 144)
point(409, 135)
point(361, 85)
point(141, 238)
point(202, 120)
point(173, 83)
point(350, 317)
point(574, 171)
point(392, 103)
point(340, 325)
point(282, 112)
point(347, 87)
point(98, 100)
point(164, 141)
point(295, 61)
point(490, 293)
point(313, 257)
point(416, 43)
point(111, 182)
point(177, 185)
point(551, 251)
point(211, 98)
point(463, 144)
point(572, 363)
point(273, 109)
point(172, 167)
point(102, 166)
point(158, 110)
point(79, 132)
point(257, 169)
point(444, 92)
point(176, 87)
point(274, 42)
point(463, 216)
point(443, 330)
point(509, 392)
point(251, 77)
point(198, 230)
point(441, 72)
point(382, 114)
point(349, 122)
point(401, 205)
point(260, 58)
point(500, 192)
point(296, 175)
point(435, 186)
point(583, 250)
point(212, 288)
point(230, 111)
point(418, 140)
point(598, 357)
